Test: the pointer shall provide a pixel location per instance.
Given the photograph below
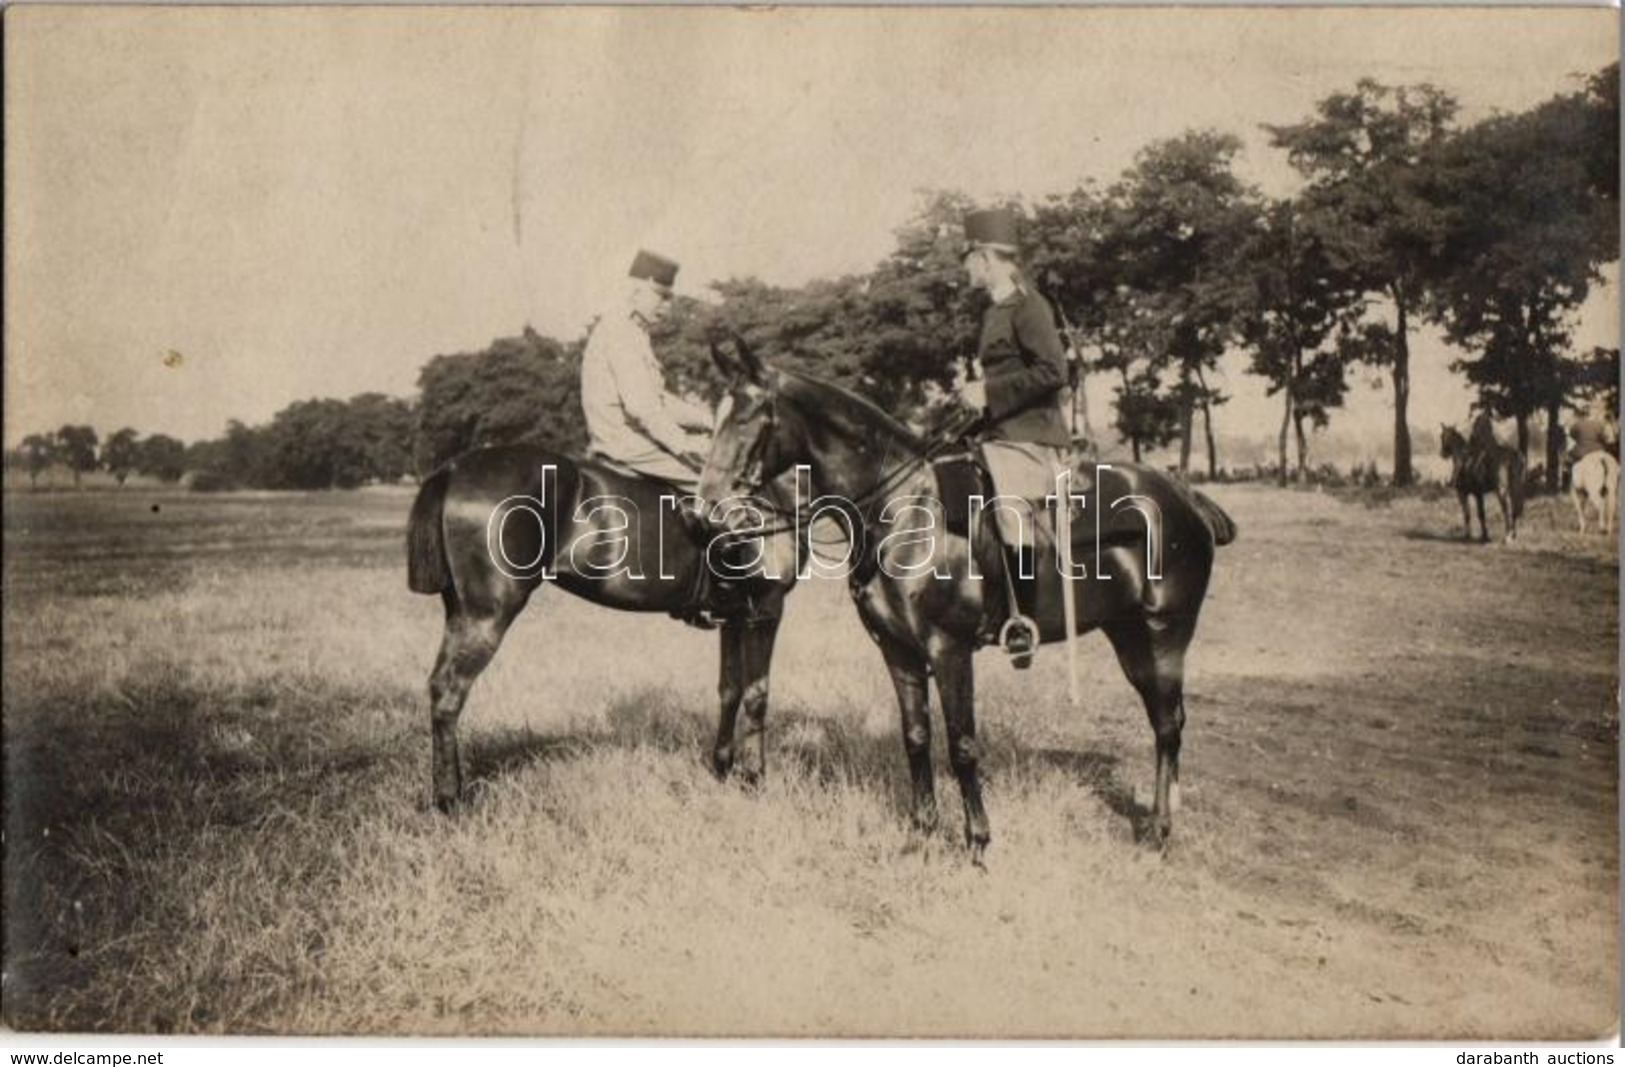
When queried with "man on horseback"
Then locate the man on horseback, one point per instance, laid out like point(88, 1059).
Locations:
point(1593, 431)
point(632, 419)
point(634, 422)
point(1023, 431)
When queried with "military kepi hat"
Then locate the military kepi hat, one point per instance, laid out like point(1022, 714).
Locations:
point(655, 269)
point(991, 228)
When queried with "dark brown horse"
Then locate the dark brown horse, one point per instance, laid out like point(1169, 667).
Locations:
point(1484, 465)
point(930, 601)
point(493, 526)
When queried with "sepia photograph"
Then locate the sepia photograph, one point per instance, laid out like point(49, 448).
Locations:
point(1068, 523)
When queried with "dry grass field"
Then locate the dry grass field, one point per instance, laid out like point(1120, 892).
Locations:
point(1399, 813)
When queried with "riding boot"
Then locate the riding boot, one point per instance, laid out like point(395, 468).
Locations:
point(719, 597)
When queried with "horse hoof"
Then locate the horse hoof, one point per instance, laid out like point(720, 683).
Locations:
point(978, 856)
point(721, 767)
point(1153, 837)
point(447, 804)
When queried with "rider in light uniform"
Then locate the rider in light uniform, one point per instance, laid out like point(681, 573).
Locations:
point(632, 419)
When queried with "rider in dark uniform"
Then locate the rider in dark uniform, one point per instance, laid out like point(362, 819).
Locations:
point(1024, 437)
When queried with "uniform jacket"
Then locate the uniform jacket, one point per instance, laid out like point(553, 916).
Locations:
point(630, 416)
point(1024, 371)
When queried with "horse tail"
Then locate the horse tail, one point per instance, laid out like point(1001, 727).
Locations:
point(426, 568)
point(1218, 521)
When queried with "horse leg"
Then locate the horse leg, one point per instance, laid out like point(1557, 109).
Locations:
point(1152, 654)
point(756, 645)
point(1502, 497)
point(956, 686)
point(909, 677)
point(730, 691)
point(471, 639)
point(1483, 526)
point(1466, 518)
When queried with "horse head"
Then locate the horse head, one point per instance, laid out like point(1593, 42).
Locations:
point(1451, 442)
point(747, 451)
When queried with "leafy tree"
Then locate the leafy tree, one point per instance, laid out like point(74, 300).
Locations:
point(1066, 253)
point(525, 388)
point(1172, 227)
point(39, 451)
point(313, 444)
point(161, 457)
point(918, 319)
point(1527, 231)
point(897, 334)
point(1299, 322)
point(77, 447)
point(1596, 377)
point(1367, 155)
point(121, 453)
point(240, 459)
point(1146, 414)
point(384, 428)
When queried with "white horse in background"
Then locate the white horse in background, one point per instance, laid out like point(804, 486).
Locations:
point(1596, 478)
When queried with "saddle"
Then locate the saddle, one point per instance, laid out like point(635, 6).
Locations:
point(714, 599)
point(961, 479)
point(632, 472)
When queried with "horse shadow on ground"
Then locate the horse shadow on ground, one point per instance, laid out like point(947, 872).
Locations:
point(1098, 772)
point(800, 744)
point(1453, 537)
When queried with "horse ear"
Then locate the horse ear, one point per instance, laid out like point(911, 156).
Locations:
point(749, 364)
point(727, 364)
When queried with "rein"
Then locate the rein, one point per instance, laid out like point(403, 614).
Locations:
point(942, 440)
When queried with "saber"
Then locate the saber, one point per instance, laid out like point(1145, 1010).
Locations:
point(1069, 597)
point(1077, 372)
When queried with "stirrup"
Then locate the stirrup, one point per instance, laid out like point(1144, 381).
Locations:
point(1019, 637)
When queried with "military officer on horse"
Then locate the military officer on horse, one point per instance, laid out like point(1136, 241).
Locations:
point(1023, 430)
point(632, 419)
point(634, 422)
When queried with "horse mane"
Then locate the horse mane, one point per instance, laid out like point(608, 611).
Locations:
point(852, 414)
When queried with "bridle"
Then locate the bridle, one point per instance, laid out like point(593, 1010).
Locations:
point(751, 482)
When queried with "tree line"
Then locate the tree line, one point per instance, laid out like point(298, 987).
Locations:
point(1495, 233)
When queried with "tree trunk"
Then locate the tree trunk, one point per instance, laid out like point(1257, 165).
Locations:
point(1187, 420)
point(1303, 446)
point(1286, 422)
point(1207, 428)
point(1186, 424)
point(1403, 474)
point(1554, 444)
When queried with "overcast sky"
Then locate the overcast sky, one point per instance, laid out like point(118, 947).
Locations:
point(306, 202)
